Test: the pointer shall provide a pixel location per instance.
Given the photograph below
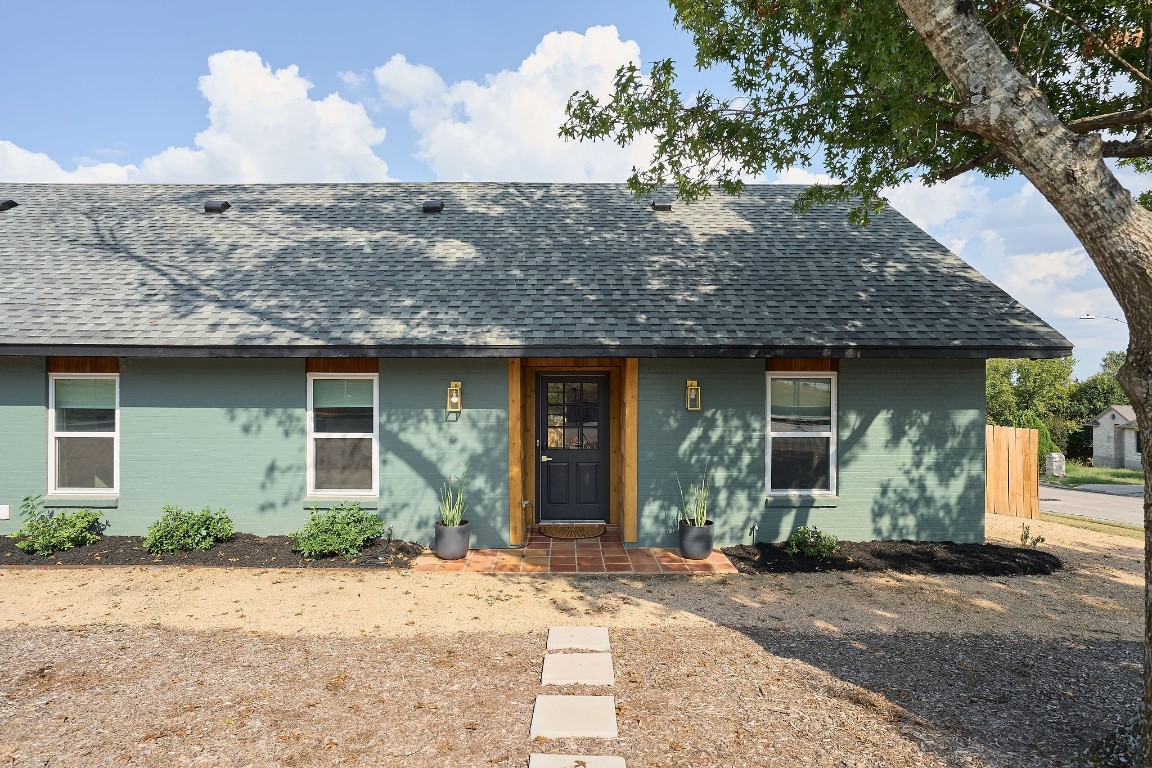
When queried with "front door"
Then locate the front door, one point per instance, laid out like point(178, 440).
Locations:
point(572, 429)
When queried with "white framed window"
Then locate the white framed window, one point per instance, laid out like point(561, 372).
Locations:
point(84, 434)
point(343, 434)
point(801, 433)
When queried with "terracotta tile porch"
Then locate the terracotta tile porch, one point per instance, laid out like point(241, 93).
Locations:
point(605, 554)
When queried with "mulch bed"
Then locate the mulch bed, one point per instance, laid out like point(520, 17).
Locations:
point(911, 557)
point(242, 550)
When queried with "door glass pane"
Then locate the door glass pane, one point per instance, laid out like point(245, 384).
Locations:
point(85, 405)
point(572, 437)
point(555, 393)
point(555, 416)
point(591, 415)
point(800, 464)
point(801, 405)
point(590, 438)
point(573, 393)
point(85, 462)
point(555, 437)
point(591, 392)
point(344, 464)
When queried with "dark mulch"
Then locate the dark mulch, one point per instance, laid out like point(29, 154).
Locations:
point(914, 557)
point(242, 550)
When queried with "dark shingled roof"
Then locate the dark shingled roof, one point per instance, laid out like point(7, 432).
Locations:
point(506, 269)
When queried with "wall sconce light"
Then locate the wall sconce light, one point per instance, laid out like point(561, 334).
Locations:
point(692, 395)
point(455, 398)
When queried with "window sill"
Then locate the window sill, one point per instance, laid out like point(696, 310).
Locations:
point(327, 502)
point(92, 502)
point(801, 499)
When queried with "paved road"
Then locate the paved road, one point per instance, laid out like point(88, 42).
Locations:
point(1101, 506)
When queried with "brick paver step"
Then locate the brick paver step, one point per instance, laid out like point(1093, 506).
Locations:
point(575, 761)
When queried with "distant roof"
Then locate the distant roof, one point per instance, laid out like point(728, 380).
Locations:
point(505, 269)
point(1125, 411)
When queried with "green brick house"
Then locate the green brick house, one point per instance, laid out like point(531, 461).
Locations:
point(576, 348)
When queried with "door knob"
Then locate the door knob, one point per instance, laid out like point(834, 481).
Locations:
point(545, 458)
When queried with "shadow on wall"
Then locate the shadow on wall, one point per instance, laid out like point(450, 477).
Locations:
point(282, 484)
point(724, 441)
point(936, 491)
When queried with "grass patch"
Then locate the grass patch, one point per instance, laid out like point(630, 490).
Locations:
point(1078, 474)
point(1113, 529)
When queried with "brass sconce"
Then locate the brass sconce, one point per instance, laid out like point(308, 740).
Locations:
point(455, 398)
point(692, 395)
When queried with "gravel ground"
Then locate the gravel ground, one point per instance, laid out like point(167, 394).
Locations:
point(224, 667)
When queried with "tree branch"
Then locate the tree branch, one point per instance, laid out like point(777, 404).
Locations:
point(1136, 73)
point(1111, 120)
point(1134, 148)
point(971, 165)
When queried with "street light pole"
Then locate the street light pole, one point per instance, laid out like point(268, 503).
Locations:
point(1090, 316)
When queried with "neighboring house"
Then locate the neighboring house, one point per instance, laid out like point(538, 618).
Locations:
point(1116, 439)
point(299, 349)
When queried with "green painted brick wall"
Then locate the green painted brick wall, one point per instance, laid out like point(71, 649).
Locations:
point(23, 433)
point(421, 445)
point(911, 452)
point(231, 433)
point(726, 436)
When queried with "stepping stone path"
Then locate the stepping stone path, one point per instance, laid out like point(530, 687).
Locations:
point(559, 717)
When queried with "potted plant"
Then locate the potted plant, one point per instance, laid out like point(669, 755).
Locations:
point(696, 530)
point(452, 529)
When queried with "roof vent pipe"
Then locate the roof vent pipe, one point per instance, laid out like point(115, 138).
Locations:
point(661, 205)
point(7, 205)
point(216, 206)
point(433, 206)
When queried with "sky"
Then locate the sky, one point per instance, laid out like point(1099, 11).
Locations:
point(252, 91)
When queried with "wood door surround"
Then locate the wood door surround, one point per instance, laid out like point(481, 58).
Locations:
point(522, 407)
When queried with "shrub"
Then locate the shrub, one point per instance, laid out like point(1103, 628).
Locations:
point(810, 541)
point(452, 504)
point(342, 530)
point(46, 532)
point(183, 530)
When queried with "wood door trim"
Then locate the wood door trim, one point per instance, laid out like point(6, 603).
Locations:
point(526, 482)
point(517, 527)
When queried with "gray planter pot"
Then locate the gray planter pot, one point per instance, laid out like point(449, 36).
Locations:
point(452, 541)
point(696, 540)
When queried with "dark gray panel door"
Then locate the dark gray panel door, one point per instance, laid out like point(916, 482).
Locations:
point(572, 428)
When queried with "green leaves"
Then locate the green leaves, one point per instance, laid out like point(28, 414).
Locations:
point(184, 530)
point(342, 530)
point(848, 85)
point(46, 532)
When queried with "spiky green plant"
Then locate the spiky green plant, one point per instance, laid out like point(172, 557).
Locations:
point(452, 504)
point(694, 504)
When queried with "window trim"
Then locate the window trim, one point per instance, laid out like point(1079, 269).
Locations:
point(831, 434)
point(328, 493)
point(93, 493)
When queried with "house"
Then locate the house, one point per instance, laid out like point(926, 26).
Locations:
point(1116, 439)
point(302, 345)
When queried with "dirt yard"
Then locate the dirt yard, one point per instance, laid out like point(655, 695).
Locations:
point(230, 667)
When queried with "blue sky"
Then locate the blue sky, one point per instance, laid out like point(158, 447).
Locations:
point(294, 91)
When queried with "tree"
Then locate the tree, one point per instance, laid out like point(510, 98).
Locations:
point(883, 91)
point(1040, 387)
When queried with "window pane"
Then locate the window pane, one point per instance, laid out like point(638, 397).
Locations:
point(85, 462)
point(344, 464)
point(800, 464)
point(801, 405)
point(85, 393)
point(327, 420)
point(85, 419)
point(341, 393)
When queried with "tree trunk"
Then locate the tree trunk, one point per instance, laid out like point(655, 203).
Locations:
point(1069, 170)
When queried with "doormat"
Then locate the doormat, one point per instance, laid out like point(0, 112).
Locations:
point(572, 531)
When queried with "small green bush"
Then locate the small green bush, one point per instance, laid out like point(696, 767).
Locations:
point(183, 530)
point(810, 541)
point(342, 530)
point(46, 532)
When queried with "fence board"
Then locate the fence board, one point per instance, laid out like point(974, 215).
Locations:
point(1012, 480)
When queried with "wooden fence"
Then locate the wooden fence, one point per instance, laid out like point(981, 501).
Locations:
point(1013, 471)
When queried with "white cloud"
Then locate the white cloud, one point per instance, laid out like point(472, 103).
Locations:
point(505, 128)
point(262, 127)
point(800, 176)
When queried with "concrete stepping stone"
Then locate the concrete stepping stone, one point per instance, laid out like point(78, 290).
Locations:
point(574, 717)
point(577, 669)
point(575, 761)
point(578, 639)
